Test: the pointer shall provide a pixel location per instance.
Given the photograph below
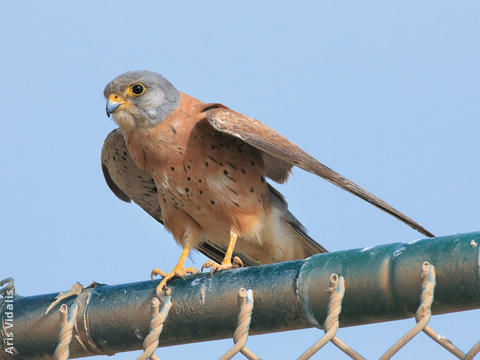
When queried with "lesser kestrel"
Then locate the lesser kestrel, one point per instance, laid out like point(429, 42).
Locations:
point(200, 169)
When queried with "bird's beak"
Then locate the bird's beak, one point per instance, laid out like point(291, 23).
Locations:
point(113, 103)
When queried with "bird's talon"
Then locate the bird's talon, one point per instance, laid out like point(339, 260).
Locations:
point(237, 262)
point(213, 266)
point(156, 272)
point(209, 265)
point(176, 272)
point(191, 270)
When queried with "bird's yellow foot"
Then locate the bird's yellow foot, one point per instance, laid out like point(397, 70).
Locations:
point(178, 271)
point(226, 264)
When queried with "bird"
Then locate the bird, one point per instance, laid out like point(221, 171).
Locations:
point(201, 170)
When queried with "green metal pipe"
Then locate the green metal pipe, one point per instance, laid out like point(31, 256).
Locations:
point(382, 284)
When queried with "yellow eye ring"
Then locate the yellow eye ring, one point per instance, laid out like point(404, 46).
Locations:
point(136, 89)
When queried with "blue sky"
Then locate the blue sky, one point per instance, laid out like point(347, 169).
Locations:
point(386, 93)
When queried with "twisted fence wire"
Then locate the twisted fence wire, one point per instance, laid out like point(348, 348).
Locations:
point(159, 315)
point(423, 313)
point(336, 289)
point(67, 319)
point(9, 285)
point(240, 336)
point(75, 290)
point(331, 324)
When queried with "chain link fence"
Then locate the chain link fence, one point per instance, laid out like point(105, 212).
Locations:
point(422, 273)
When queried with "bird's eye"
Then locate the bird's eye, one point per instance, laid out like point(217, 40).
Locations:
point(137, 89)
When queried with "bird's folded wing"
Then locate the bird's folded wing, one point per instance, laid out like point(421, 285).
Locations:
point(280, 154)
point(126, 180)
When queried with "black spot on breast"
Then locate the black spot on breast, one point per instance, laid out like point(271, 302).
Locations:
point(144, 154)
point(225, 172)
point(124, 153)
point(213, 159)
point(221, 164)
point(231, 165)
point(235, 203)
point(201, 192)
point(232, 190)
point(206, 163)
point(124, 158)
point(252, 163)
point(172, 168)
point(200, 181)
point(243, 171)
point(251, 189)
point(113, 157)
point(239, 150)
point(212, 202)
point(188, 178)
point(188, 166)
point(187, 189)
point(262, 179)
point(212, 147)
point(173, 129)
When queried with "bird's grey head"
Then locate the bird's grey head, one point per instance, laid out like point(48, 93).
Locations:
point(140, 99)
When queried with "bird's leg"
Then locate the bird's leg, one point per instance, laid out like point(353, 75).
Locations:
point(178, 270)
point(227, 262)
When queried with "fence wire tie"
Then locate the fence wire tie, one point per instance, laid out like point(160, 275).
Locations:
point(424, 311)
point(331, 324)
point(240, 336)
point(67, 322)
point(159, 315)
point(76, 290)
point(9, 285)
